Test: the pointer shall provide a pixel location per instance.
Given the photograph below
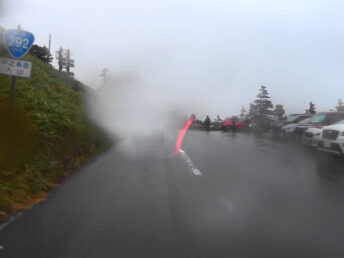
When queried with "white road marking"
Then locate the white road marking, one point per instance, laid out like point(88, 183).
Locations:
point(170, 137)
point(228, 204)
point(191, 165)
point(1, 247)
point(9, 221)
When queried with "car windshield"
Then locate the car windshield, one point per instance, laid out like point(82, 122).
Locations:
point(317, 119)
point(291, 118)
point(305, 121)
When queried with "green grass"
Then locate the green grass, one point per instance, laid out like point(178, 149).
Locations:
point(45, 136)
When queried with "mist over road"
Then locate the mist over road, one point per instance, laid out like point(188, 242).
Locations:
point(253, 197)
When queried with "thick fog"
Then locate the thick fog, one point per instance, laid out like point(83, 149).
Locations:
point(203, 57)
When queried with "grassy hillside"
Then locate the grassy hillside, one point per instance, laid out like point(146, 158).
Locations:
point(45, 136)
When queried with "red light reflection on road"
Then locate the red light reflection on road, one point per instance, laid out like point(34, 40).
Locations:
point(181, 136)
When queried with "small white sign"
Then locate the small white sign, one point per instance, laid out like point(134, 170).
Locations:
point(15, 67)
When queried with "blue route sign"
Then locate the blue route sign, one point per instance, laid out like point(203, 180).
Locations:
point(18, 42)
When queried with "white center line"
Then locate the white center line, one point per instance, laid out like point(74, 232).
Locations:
point(191, 165)
point(169, 137)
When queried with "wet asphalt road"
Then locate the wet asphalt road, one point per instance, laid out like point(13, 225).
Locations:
point(255, 197)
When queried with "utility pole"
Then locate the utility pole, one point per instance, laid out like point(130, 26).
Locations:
point(103, 74)
point(68, 60)
point(48, 58)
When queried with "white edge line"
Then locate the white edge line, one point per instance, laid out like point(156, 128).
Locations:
point(191, 165)
point(9, 221)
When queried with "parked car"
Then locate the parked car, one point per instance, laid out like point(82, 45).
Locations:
point(289, 129)
point(277, 125)
point(319, 120)
point(332, 138)
point(216, 125)
point(227, 124)
point(311, 136)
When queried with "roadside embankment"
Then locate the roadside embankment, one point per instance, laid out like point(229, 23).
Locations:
point(44, 136)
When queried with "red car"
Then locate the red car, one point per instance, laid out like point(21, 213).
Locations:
point(227, 124)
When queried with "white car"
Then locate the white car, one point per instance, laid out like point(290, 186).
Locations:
point(332, 139)
point(312, 136)
point(289, 129)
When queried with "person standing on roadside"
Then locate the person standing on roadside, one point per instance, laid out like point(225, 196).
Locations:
point(206, 123)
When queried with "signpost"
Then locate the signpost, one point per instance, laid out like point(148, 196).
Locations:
point(17, 68)
point(18, 43)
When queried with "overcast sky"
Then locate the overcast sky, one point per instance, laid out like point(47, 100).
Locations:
point(210, 53)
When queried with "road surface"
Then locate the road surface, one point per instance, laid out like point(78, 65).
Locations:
point(225, 196)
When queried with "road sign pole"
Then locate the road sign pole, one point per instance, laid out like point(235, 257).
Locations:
point(13, 89)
